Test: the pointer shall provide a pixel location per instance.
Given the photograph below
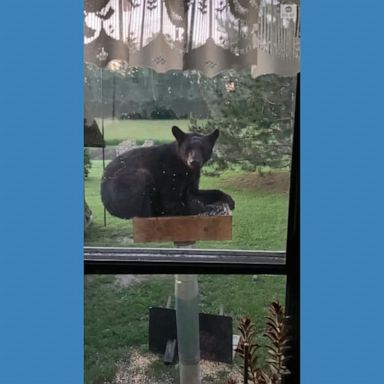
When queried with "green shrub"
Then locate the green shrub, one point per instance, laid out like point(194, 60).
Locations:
point(87, 162)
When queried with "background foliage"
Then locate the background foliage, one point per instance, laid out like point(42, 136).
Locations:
point(254, 115)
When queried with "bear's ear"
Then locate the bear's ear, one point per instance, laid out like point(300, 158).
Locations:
point(178, 133)
point(213, 136)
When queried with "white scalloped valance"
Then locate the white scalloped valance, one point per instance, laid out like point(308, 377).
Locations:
point(206, 35)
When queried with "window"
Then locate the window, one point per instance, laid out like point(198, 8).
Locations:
point(151, 65)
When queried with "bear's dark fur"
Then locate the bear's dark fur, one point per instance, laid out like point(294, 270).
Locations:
point(161, 180)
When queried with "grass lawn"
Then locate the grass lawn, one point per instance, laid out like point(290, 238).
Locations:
point(116, 314)
point(259, 220)
point(116, 131)
point(116, 321)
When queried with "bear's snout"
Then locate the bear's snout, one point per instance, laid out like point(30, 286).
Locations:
point(194, 164)
point(194, 160)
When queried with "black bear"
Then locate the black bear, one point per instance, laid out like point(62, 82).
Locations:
point(161, 180)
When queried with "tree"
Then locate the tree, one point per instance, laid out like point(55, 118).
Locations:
point(255, 121)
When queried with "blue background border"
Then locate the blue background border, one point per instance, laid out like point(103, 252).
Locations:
point(342, 192)
point(41, 275)
point(41, 219)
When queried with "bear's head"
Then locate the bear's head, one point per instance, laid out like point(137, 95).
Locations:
point(194, 149)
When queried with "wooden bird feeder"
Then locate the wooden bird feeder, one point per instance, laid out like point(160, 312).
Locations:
point(182, 229)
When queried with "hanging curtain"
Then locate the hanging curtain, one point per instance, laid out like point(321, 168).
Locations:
point(206, 35)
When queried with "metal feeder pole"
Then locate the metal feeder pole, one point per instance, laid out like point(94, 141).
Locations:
point(102, 132)
point(102, 56)
point(187, 322)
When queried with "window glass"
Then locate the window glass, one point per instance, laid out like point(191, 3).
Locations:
point(117, 323)
point(136, 108)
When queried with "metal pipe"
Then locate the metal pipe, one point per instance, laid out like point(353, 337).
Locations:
point(102, 132)
point(187, 321)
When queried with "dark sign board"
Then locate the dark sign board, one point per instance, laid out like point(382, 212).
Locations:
point(215, 334)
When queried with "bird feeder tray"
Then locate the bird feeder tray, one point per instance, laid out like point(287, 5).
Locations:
point(182, 229)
